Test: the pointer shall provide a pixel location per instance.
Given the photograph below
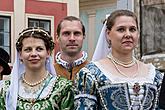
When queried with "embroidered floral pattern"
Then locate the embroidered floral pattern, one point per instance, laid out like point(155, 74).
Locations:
point(58, 97)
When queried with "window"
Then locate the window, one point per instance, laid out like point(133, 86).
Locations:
point(40, 23)
point(5, 33)
point(152, 16)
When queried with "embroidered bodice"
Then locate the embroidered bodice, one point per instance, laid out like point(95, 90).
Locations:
point(55, 93)
point(98, 92)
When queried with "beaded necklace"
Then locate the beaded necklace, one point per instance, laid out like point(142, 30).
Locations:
point(136, 87)
point(124, 64)
point(45, 85)
point(122, 73)
point(34, 84)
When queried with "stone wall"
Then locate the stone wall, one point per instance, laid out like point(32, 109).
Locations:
point(157, 58)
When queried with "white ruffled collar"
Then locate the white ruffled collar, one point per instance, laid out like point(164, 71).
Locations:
point(75, 63)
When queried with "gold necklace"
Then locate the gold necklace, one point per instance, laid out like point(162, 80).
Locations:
point(124, 64)
point(36, 83)
point(122, 73)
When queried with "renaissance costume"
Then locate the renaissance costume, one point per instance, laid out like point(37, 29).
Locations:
point(98, 89)
point(68, 70)
point(54, 93)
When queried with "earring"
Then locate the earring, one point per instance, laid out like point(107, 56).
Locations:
point(109, 43)
point(21, 61)
point(47, 60)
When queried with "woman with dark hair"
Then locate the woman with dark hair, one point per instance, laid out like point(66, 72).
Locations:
point(4, 66)
point(34, 84)
point(116, 80)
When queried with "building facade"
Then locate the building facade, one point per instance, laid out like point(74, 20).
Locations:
point(15, 15)
point(151, 48)
point(93, 13)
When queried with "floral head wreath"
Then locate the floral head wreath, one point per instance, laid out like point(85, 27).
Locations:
point(37, 32)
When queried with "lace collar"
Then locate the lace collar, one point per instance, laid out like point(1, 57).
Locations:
point(70, 65)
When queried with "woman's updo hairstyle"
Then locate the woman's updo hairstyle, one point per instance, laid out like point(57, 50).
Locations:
point(35, 32)
point(111, 19)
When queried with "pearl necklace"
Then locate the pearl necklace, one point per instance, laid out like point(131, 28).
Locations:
point(122, 73)
point(34, 84)
point(124, 64)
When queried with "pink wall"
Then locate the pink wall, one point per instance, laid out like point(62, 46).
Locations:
point(58, 10)
point(7, 5)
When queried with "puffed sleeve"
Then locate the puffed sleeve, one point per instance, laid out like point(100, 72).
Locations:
point(4, 86)
point(162, 95)
point(67, 101)
point(2, 101)
point(85, 91)
point(160, 79)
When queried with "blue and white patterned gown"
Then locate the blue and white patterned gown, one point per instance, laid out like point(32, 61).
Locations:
point(97, 90)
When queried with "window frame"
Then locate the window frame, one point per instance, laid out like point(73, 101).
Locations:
point(9, 32)
point(43, 17)
point(40, 20)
